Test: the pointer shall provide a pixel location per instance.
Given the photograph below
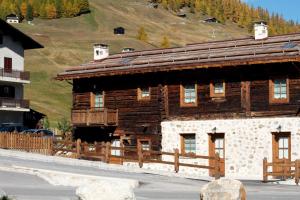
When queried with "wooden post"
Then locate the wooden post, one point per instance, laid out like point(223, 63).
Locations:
point(176, 160)
point(265, 170)
point(140, 156)
point(107, 152)
point(284, 169)
point(78, 147)
point(217, 167)
point(297, 171)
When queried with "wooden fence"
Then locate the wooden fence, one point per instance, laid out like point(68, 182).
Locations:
point(26, 142)
point(102, 152)
point(283, 170)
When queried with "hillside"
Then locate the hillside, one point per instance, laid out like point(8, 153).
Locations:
point(68, 42)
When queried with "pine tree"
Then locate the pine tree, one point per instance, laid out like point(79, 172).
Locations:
point(29, 13)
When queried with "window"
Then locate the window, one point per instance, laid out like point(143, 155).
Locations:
point(217, 89)
point(7, 65)
point(283, 147)
point(116, 143)
point(97, 100)
point(144, 93)
point(188, 95)
point(188, 143)
point(279, 91)
point(145, 145)
point(219, 147)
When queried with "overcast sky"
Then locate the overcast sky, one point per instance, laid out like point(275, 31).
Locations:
point(290, 9)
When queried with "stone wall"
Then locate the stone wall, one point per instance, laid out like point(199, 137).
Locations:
point(247, 141)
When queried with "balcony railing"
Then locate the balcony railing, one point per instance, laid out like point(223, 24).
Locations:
point(14, 103)
point(95, 117)
point(22, 75)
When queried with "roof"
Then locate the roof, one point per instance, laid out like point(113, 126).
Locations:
point(27, 42)
point(12, 16)
point(239, 52)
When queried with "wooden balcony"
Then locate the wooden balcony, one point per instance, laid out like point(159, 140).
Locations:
point(22, 75)
point(95, 117)
point(14, 103)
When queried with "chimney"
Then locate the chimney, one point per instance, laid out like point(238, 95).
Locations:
point(260, 30)
point(101, 51)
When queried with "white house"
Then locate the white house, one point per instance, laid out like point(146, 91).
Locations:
point(12, 74)
point(12, 19)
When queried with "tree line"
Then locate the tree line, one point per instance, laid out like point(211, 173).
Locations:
point(49, 9)
point(234, 11)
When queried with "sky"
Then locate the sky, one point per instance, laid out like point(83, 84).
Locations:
point(288, 8)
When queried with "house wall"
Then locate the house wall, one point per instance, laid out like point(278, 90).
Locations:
point(12, 49)
point(121, 94)
point(247, 142)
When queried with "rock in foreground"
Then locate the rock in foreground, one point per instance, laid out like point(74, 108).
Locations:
point(223, 189)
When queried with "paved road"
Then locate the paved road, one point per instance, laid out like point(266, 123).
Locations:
point(28, 187)
point(152, 186)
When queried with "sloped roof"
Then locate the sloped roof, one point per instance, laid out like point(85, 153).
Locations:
point(27, 42)
point(245, 51)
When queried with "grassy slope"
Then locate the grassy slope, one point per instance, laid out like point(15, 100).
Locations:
point(69, 42)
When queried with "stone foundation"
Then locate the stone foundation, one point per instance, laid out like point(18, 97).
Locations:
point(247, 141)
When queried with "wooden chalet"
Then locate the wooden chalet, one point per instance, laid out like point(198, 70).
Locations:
point(139, 97)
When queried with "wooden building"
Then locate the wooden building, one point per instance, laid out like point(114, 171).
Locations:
point(239, 98)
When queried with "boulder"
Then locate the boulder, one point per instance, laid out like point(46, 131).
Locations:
point(223, 189)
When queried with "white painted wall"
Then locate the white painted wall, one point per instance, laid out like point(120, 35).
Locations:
point(12, 49)
point(247, 142)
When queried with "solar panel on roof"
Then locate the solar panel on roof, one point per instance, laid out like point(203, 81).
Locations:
point(289, 45)
point(126, 61)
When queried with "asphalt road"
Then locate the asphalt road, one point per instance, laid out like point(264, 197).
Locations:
point(26, 187)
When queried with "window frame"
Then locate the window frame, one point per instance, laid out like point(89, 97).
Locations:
point(93, 100)
point(8, 65)
point(272, 99)
point(182, 143)
point(182, 96)
point(212, 89)
point(140, 92)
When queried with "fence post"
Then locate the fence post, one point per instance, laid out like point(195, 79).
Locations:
point(140, 156)
point(297, 171)
point(78, 147)
point(284, 169)
point(217, 167)
point(176, 160)
point(265, 170)
point(107, 152)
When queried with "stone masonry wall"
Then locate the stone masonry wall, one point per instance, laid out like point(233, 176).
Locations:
point(247, 141)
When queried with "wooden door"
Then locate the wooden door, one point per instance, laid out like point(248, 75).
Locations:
point(281, 151)
point(217, 145)
point(116, 153)
point(7, 65)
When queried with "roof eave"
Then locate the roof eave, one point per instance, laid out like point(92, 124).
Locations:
point(265, 60)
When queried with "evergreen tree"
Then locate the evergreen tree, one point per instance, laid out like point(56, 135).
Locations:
point(29, 13)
